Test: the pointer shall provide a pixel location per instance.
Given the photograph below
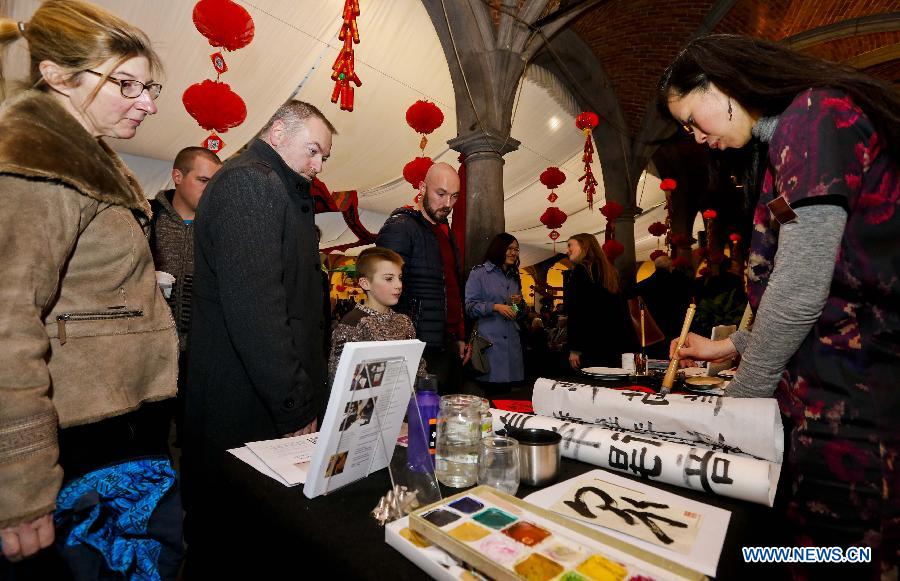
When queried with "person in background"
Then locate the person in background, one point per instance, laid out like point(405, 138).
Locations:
point(600, 328)
point(559, 335)
point(88, 348)
point(257, 311)
point(494, 301)
point(380, 273)
point(667, 294)
point(327, 308)
point(546, 312)
point(172, 244)
point(432, 274)
point(172, 232)
point(720, 297)
point(537, 351)
point(824, 276)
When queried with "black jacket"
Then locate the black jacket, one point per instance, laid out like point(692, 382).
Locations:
point(424, 298)
point(599, 325)
point(667, 295)
point(257, 370)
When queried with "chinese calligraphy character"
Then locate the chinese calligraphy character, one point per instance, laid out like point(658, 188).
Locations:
point(629, 515)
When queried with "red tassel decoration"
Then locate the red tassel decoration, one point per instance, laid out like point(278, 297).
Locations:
point(586, 121)
point(343, 72)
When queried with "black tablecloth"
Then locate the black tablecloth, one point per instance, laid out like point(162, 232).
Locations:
point(269, 530)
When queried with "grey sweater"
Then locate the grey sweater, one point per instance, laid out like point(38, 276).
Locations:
point(793, 301)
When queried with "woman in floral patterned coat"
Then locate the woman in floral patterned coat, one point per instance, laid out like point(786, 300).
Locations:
point(824, 276)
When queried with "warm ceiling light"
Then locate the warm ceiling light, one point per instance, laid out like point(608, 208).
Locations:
point(554, 123)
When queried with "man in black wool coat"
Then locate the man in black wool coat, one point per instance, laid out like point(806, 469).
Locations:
point(258, 370)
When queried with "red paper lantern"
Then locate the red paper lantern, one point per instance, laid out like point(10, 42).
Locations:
point(424, 117)
point(553, 217)
point(224, 23)
point(681, 262)
point(667, 185)
point(657, 229)
point(658, 254)
point(679, 239)
point(214, 105)
point(709, 214)
point(414, 172)
point(613, 249)
point(587, 120)
point(734, 237)
point(611, 210)
point(552, 177)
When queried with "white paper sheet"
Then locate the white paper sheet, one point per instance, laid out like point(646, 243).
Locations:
point(244, 454)
point(288, 457)
point(707, 549)
point(653, 458)
point(732, 425)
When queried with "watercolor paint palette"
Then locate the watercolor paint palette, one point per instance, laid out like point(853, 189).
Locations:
point(509, 539)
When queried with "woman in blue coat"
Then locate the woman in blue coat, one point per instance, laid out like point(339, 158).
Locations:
point(491, 290)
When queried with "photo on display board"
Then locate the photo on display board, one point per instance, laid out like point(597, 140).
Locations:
point(360, 378)
point(376, 373)
point(336, 463)
point(358, 412)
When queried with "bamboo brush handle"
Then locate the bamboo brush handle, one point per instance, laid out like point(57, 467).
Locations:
point(669, 379)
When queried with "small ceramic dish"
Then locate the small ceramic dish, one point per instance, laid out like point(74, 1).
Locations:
point(703, 382)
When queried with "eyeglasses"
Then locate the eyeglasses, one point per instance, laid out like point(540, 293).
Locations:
point(689, 126)
point(132, 89)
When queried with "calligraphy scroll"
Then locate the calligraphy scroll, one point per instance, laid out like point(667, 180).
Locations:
point(655, 459)
point(749, 426)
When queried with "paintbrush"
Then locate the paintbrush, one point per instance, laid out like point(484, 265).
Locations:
point(643, 334)
point(669, 379)
point(641, 363)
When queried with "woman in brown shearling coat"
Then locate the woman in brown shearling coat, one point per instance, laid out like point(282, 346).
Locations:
point(87, 344)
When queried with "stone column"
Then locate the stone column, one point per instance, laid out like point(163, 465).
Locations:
point(484, 190)
point(625, 235)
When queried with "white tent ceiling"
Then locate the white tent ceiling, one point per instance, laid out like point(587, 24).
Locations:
point(399, 61)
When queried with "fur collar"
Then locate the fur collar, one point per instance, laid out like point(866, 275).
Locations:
point(40, 139)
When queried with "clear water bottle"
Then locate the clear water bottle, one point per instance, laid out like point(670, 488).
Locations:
point(422, 420)
point(458, 434)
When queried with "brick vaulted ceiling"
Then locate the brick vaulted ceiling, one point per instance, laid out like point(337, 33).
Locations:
point(636, 39)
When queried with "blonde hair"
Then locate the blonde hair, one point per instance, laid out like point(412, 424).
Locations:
point(594, 260)
point(77, 36)
point(369, 258)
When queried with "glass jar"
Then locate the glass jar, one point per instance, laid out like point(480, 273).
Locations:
point(458, 433)
point(487, 420)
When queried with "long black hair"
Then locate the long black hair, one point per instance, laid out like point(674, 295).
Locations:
point(764, 77)
point(496, 251)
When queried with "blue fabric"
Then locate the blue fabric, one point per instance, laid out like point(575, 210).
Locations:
point(109, 510)
point(488, 285)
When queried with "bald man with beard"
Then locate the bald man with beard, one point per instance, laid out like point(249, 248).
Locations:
point(432, 274)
